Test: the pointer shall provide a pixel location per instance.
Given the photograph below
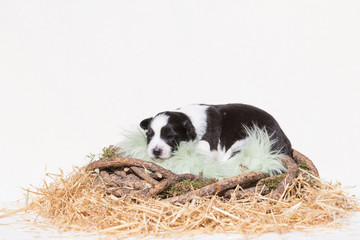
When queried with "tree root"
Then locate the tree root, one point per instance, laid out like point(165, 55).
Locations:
point(135, 177)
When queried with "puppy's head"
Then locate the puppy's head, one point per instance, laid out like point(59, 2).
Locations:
point(165, 131)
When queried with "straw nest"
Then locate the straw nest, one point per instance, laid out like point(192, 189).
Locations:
point(94, 199)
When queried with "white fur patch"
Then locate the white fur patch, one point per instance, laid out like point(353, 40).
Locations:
point(198, 116)
point(203, 147)
point(236, 147)
point(157, 142)
point(220, 155)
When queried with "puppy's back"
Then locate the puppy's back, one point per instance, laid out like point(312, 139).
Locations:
point(236, 116)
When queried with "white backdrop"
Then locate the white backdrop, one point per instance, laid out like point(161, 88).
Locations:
point(73, 73)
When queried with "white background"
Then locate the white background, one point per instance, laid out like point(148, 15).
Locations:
point(73, 73)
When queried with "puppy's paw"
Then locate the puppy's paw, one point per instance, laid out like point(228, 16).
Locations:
point(203, 147)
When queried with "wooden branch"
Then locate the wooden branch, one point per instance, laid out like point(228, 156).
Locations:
point(119, 192)
point(162, 186)
point(156, 175)
point(290, 175)
point(128, 181)
point(217, 187)
point(129, 176)
point(120, 173)
point(262, 187)
point(166, 183)
point(129, 162)
point(305, 162)
point(121, 176)
point(141, 173)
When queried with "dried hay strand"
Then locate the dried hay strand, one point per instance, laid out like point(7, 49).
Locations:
point(79, 202)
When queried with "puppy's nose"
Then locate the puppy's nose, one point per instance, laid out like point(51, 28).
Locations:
point(157, 152)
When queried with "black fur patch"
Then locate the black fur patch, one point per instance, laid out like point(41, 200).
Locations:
point(179, 128)
point(229, 120)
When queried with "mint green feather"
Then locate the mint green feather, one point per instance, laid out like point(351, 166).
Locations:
point(256, 155)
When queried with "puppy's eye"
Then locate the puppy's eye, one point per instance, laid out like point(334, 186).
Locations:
point(172, 139)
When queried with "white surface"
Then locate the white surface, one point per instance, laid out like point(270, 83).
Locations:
point(73, 73)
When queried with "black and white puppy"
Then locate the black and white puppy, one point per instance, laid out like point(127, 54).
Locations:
point(214, 128)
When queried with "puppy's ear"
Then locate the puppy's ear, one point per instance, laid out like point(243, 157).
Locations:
point(190, 130)
point(145, 123)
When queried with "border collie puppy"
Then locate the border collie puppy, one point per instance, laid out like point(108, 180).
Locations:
point(214, 128)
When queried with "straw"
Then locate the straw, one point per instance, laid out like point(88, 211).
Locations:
point(79, 202)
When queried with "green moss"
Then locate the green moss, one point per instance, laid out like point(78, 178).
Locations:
point(274, 182)
point(304, 166)
point(108, 152)
point(91, 157)
point(184, 187)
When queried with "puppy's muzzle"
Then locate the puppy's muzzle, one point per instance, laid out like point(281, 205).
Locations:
point(157, 152)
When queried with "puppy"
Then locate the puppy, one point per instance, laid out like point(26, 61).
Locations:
point(214, 128)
